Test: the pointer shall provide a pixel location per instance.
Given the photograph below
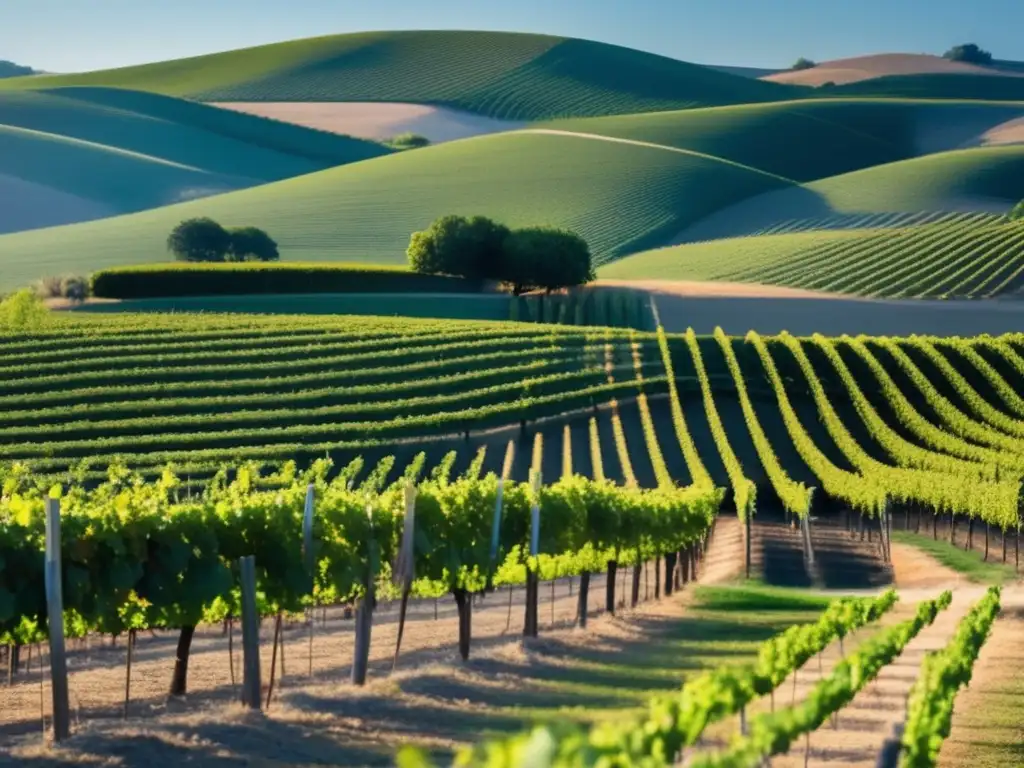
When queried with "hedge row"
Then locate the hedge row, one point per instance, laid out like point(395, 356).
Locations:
point(167, 280)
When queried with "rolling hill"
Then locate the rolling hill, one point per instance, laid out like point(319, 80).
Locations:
point(123, 151)
point(808, 140)
point(860, 68)
point(970, 255)
point(621, 196)
point(497, 74)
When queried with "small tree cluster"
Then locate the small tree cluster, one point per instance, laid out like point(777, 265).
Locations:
point(23, 311)
point(203, 239)
point(72, 287)
point(803, 63)
point(407, 141)
point(481, 249)
point(969, 53)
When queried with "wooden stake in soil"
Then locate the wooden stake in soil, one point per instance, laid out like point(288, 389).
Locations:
point(609, 587)
point(251, 687)
point(231, 648)
point(310, 558)
point(364, 620)
point(405, 566)
point(128, 672)
point(55, 619)
point(581, 605)
point(273, 657)
point(530, 627)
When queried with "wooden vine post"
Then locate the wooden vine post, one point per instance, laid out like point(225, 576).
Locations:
point(310, 562)
point(404, 572)
point(364, 612)
point(250, 634)
point(55, 620)
point(532, 577)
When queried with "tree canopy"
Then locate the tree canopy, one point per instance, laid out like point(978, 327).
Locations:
point(969, 53)
point(481, 249)
point(803, 63)
point(251, 244)
point(203, 239)
point(200, 239)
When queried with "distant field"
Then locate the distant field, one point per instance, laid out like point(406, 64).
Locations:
point(123, 151)
point(498, 74)
point(808, 140)
point(970, 256)
point(862, 68)
point(621, 197)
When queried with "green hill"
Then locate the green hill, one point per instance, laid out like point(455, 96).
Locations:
point(807, 140)
point(964, 255)
point(124, 151)
point(622, 197)
point(499, 74)
point(934, 86)
point(942, 181)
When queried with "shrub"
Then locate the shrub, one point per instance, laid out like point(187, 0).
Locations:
point(201, 239)
point(49, 287)
point(251, 244)
point(166, 280)
point(803, 63)
point(23, 311)
point(407, 141)
point(969, 53)
point(828, 84)
point(545, 257)
point(1017, 214)
point(74, 288)
point(456, 245)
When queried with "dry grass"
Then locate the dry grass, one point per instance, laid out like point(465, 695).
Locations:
point(857, 68)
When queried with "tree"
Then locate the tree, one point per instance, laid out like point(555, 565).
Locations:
point(803, 63)
point(545, 257)
point(1017, 214)
point(10, 69)
point(201, 239)
point(969, 53)
point(407, 141)
point(251, 244)
point(456, 245)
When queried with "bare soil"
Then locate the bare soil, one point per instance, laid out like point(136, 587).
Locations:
point(377, 120)
point(852, 70)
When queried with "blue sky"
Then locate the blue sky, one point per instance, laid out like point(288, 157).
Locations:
point(75, 35)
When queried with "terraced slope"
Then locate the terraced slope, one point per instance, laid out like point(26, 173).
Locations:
point(201, 390)
point(808, 140)
point(934, 86)
point(964, 255)
point(621, 196)
point(499, 74)
point(124, 151)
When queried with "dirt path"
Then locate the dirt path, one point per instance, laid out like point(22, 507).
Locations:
point(988, 724)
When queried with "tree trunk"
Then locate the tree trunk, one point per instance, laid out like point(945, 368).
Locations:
point(179, 680)
point(609, 587)
point(530, 627)
point(657, 577)
point(581, 610)
point(464, 604)
point(635, 596)
point(670, 572)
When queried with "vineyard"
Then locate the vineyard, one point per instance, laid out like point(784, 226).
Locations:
point(962, 255)
point(351, 460)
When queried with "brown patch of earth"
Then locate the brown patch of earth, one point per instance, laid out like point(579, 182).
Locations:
point(857, 68)
point(377, 120)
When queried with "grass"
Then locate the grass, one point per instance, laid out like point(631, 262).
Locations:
point(131, 151)
point(974, 256)
point(498, 74)
point(934, 86)
point(620, 197)
point(969, 563)
point(807, 140)
point(467, 307)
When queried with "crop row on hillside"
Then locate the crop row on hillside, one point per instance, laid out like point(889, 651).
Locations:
point(962, 256)
point(345, 386)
